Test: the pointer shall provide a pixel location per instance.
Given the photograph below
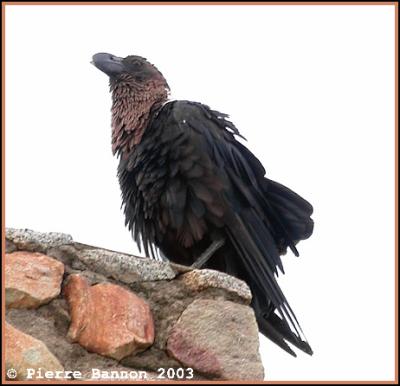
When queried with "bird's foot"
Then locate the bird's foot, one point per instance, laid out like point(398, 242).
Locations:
point(205, 256)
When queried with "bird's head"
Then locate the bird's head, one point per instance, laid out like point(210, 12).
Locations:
point(136, 68)
point(137, 87)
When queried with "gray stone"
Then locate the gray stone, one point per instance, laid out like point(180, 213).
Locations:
point(67, 254)
point(199, 280)
point(125, 268)
point(218, 339)
point(29, 240)
point(152, 359)
point(10, 246)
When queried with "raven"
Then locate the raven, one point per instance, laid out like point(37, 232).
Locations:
point(194, 192)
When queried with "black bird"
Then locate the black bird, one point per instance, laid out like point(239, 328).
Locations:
point(190, 189)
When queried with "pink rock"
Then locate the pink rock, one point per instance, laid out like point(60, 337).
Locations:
point(184, 346)
point(25, 355)
point(32, 279)
point(217, 338)
point(108, 319)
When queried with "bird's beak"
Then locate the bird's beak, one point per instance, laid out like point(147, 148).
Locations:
point(109, 64)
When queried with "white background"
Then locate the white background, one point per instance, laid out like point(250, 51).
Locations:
point(312, 89)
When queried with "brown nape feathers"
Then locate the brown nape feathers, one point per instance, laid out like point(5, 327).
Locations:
point(134, 96)
point(195, 193)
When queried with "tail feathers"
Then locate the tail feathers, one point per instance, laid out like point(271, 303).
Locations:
point(272, 334)
point(301, 207)
point(293, 213)
point(255, 254)
point(258, 233)
point(276, 330)
point(279, 332)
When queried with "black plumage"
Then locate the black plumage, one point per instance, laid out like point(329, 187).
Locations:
point(186, 181)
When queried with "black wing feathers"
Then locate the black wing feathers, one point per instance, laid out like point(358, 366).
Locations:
point(269, 218)
point(212, 182)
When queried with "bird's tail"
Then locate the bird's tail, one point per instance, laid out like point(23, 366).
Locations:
point(259, 234)
point(256, 254)
point(277, 330)
point(291, 215)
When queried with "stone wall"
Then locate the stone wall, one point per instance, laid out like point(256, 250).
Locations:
point(83, 312)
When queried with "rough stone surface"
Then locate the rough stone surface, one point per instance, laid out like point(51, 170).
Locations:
point(199, 280)
point(10, 246)
point(219, 339)
point(25, 352)
point(126, 268)
point(108, 319)
point(29, 240)
point(168, 292)
point(51, 328)
point(31, 279)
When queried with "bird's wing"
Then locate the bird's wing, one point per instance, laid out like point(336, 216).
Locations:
point(226, 186)
point(209, 179)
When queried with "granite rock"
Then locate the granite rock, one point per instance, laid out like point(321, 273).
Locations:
point(218, 339)
point(25, 355)
point(108, 319)
point(31, 279)
point(201, 279)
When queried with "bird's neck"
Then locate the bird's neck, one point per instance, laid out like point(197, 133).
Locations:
point(131, 112)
